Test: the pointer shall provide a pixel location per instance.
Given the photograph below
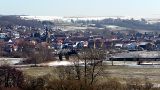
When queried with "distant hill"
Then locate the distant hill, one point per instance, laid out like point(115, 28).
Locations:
point(134, 24)
point(126, 23)
point(121, 21)
point(16, 20)
point(40, 21)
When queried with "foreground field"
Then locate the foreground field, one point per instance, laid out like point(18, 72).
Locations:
point(121, 73)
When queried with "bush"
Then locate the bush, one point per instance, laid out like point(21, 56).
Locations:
point(112, 84)
point(35, 84)
point(45, 83)
point(11, 77)
point(68, 85)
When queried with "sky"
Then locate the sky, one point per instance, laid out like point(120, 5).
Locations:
point(80, 7)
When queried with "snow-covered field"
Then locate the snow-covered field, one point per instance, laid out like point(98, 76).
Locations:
point(64, 18)
point(69, 18)
point(52, 18)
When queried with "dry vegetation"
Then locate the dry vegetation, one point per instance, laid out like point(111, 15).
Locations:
point(62, 78)
point(67, 81)
point(118, 74)
point(92, 75)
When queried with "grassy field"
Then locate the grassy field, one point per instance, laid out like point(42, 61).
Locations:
point(125, 73)
point(39, 71)
point(121, 73)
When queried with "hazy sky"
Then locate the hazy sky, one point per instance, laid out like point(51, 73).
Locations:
point(81, 7)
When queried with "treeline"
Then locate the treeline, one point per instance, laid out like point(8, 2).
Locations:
point(8, 21)
point(128, 23)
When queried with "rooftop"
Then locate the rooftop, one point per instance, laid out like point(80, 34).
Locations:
point(138, 54)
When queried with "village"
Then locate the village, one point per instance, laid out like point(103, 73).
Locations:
point(79, 45)
point(52, 49)
point(61, 40)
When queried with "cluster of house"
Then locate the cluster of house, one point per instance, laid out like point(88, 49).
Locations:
point(76, 40)
point(139, 42)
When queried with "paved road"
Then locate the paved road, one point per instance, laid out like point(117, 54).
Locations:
point(10, 61)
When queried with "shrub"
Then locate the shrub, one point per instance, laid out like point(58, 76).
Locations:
point(11, 77)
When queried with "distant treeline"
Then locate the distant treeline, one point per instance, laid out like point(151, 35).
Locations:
point(7, 21)
point(12, 20)
point(128, 23)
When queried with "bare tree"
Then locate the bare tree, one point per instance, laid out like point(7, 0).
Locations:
point(40, 54)
point(93, 67)
point(87, 66)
